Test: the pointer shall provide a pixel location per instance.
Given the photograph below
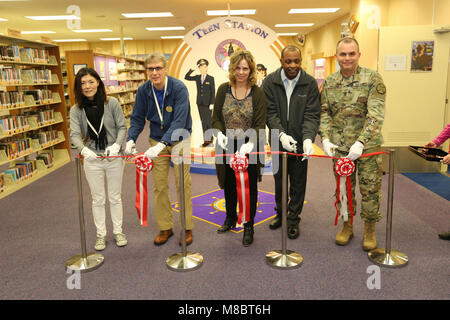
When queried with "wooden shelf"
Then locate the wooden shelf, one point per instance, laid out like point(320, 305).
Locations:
point(60, 147)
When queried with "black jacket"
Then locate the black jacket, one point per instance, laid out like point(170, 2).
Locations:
point(304, 107)
point(205, 91)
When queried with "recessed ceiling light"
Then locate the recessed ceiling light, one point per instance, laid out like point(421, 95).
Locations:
point(172, 37)
point(36, 32)
point(69, 40)
point(91, 30)
point(231, 12)
point(61, 17)
point(164, 28)
point(283, 25)
point(313, 10)
point(287, 34)
point(113, 39)
point(148, 15)
point(1, 19)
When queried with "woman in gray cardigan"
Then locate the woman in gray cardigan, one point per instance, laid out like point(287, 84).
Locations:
point(98, 127)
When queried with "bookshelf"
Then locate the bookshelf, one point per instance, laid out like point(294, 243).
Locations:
point(34, 139)
point(121, 75)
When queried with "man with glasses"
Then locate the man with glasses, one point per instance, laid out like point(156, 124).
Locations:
point(164, 102)
point(293, 113)
point(205, 94)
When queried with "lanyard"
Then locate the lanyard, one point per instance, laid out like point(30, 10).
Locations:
point(157, 104)
point(92, 127)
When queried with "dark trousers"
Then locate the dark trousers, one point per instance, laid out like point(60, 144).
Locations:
point(297, 174)
point(231, 196)
point(205, 116)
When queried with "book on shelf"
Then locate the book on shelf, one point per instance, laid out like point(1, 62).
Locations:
point(2, 181)
point(11, 99)
point(46, 156)
point(40, 96)
point(45, 137)
point(37, 76)
point(34, 55)
point(9, 53)
point(26, 168)
point(14, 124)
point(22, 170)
point(16, 148)
point(10, 75)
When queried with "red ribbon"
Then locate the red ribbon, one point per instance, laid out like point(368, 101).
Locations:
point(239, 163)
point(143, 166)
point(344, 167)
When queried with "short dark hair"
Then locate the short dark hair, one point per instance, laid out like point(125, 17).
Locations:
point(79, 96)
point(291, 48)
point(347, 40)
point(202, 61)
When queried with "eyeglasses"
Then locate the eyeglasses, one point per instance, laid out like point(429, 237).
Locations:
point(157, 69)
point(202, 64)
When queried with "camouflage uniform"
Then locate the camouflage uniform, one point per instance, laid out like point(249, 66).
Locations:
point(353, 110)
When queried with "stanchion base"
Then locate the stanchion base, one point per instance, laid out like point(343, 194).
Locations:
point(178, 262)
point(277, 259)
point(91, 262)
point(393, 259)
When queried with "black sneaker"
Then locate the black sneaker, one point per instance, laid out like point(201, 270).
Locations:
point(445, 235)
point(248, 236)
point(293, 231)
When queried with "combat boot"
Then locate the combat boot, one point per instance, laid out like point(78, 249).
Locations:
point(346, 233)
point(369, 240)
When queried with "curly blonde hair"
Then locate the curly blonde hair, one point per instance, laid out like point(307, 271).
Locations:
point(235, 59)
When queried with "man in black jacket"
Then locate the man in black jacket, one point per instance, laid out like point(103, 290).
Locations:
point(293, 116)
point(205, 94)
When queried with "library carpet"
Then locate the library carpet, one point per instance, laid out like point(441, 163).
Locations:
point(40, 231)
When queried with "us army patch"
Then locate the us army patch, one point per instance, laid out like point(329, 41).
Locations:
point(381, 89)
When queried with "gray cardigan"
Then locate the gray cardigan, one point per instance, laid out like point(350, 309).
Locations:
point(113, 121)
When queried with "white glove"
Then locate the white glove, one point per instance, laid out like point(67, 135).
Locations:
point(328, 147)
point(288, 143)
point(355, 151)
point(222, 140)
point(130, 148)
point(88, 154)
point(112, 150)
point(153, 152)
point(308, 148)
point(246, 148)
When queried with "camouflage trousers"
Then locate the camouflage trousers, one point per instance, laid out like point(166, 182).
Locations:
point(370, 172)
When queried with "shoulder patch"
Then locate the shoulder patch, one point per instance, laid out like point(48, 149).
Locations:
point(381, 88)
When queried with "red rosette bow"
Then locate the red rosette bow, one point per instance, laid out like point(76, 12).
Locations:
point(239, 163)
point(143, 166)
point(344, 167)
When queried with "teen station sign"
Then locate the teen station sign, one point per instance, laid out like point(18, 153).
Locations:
point(215, 41)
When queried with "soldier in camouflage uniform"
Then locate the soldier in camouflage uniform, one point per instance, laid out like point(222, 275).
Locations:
point(350, 125)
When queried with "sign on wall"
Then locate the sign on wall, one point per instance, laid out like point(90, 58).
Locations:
point(210, 45)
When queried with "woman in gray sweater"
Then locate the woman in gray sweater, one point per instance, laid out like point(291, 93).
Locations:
point(98, 127)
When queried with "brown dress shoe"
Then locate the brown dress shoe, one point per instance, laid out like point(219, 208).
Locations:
point(163, 236)
point(188, 238)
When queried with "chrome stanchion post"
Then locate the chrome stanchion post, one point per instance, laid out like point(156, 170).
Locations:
point(86, 261)
point(184, 261)
point(284, 258)
point(388, 257)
